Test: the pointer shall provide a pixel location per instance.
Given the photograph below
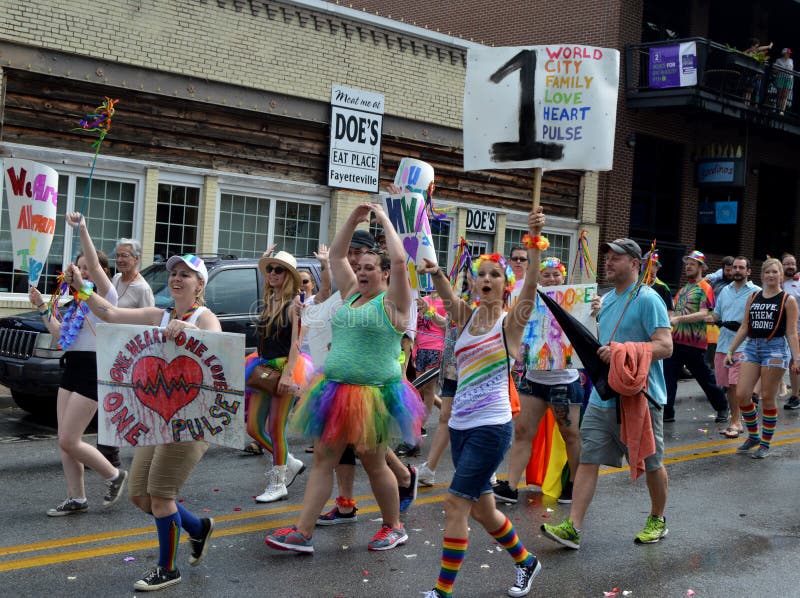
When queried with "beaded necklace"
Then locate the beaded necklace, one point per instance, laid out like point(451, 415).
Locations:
point(187, 314)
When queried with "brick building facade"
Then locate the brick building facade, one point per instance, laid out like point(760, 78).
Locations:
point(220, 142)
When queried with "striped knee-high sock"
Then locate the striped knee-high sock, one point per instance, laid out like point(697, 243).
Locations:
point(453, 551)
point(750, 417)
point(507, 537)
point(769, 421)
point(169, 534)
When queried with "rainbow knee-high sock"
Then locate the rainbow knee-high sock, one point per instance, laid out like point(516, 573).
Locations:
point(453, 551)
point(507, 537)
point(169, 534)
point(750, 417)
point(769, 421)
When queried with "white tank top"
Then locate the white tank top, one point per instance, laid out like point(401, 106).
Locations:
point(192, 319)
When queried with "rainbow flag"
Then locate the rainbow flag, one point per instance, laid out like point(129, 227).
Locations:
point(548, 457)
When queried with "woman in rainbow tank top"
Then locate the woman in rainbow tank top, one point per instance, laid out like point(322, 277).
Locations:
point(361, 400)
point(480, 423)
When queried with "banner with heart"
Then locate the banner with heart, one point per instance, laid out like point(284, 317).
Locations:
point(153, 390)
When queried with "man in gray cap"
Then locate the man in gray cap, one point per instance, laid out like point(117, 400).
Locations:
point(628, 314)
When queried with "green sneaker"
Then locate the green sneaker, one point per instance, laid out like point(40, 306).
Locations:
point(564, 533)
point(653, 531)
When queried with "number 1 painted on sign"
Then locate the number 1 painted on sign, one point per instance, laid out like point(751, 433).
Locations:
point(527, 148)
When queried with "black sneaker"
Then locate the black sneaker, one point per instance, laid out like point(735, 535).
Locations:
point(566, 494)
point(792, 404)
point(406, 450)
point(408, 494)
point(423, 432)
point(722, 416)
point(114, 488)
point(200, 544)
point(525, 575)
point(68, 507)
point(504, 493)
point(156, 579)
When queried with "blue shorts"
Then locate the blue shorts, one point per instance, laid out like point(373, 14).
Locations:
point(477, 453)
point(565, 394)
point(772, 353)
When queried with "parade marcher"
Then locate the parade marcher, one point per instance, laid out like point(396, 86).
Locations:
point(360, 402)
point(658, 285)
point(791, 284)
point(770, 320)
point(77, 392)
point(631, 318)
point(729, 314)
point(560, 390)
point(718, 281)
point(278, 348)
point(480, 424)
point(693, 303)
point(158, 472)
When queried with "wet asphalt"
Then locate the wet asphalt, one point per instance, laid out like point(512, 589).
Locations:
point(733, 521)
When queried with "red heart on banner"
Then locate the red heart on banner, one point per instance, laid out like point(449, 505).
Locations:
point(166, 387)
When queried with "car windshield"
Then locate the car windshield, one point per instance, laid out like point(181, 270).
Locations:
point(158, 278)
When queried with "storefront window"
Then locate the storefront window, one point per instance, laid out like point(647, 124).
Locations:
point(243, 225)
point(560, 244)
point(297, 227)
point(109, 212)
point(176, 220)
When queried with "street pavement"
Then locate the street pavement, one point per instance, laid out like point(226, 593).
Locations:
point(734, 528)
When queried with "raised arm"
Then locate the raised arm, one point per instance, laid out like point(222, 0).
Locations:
point(105, 310)
point(325, 280)
point(514, 324)
point(343, 274)
point(399, 294)
point(101, 280)
point(458, 309)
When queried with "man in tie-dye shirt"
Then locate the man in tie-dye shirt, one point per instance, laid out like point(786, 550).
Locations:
point(693, 303)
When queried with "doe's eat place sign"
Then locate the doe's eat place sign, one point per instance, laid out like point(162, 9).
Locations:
point(552, 107)
point(354, 160)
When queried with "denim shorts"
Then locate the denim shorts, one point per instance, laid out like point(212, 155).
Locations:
point(571, 393)
point(772, 353)
point(477, 453)
point(601, 443)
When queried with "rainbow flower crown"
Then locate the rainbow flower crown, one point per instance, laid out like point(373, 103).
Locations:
point(498, 259)
point(553, 262)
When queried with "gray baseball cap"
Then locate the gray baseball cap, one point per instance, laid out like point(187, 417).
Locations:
point(628, 246)
point(362, 238)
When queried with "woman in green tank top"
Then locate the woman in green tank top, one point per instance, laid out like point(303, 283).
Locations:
point(361, 400)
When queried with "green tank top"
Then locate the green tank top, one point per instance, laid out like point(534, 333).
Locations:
point(365, 345)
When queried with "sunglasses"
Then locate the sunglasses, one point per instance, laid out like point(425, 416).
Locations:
point(277, 269)
point(305, 280)
point(518, 259)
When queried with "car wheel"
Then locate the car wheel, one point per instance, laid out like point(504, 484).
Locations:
point(35, 404)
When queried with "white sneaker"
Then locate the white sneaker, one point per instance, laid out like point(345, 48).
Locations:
point(276, 486)
point(425, 475)
point(294, 468)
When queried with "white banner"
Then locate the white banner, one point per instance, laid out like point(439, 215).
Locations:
point(545, 346)
point(152, 390)
point(551, 107)
point(354, 159)
point(32, 195)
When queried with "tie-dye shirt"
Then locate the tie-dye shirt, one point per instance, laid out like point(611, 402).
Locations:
point(482, 397)
point(693, 297)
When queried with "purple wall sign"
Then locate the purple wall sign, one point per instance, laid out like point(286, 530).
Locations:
point(674, 65)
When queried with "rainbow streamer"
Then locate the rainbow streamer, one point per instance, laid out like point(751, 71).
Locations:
point(432, 211)
point(583, 259)
point(98, 122)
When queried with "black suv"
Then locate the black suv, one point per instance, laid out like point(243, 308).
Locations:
point(32, 370)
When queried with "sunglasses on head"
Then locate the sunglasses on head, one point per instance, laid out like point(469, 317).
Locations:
point(277, 269)
point(518, 259)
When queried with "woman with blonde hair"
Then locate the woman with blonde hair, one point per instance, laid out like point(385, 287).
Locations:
point(770, 322)
point(278, 330)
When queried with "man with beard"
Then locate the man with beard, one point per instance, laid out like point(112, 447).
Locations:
point(729, 313)
point(791, 284)
point(692, 305)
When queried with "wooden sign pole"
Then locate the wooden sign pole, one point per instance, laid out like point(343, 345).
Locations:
point(537, 188)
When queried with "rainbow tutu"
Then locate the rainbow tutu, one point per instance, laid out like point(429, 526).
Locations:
point(301, 375)
point(363, 416)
